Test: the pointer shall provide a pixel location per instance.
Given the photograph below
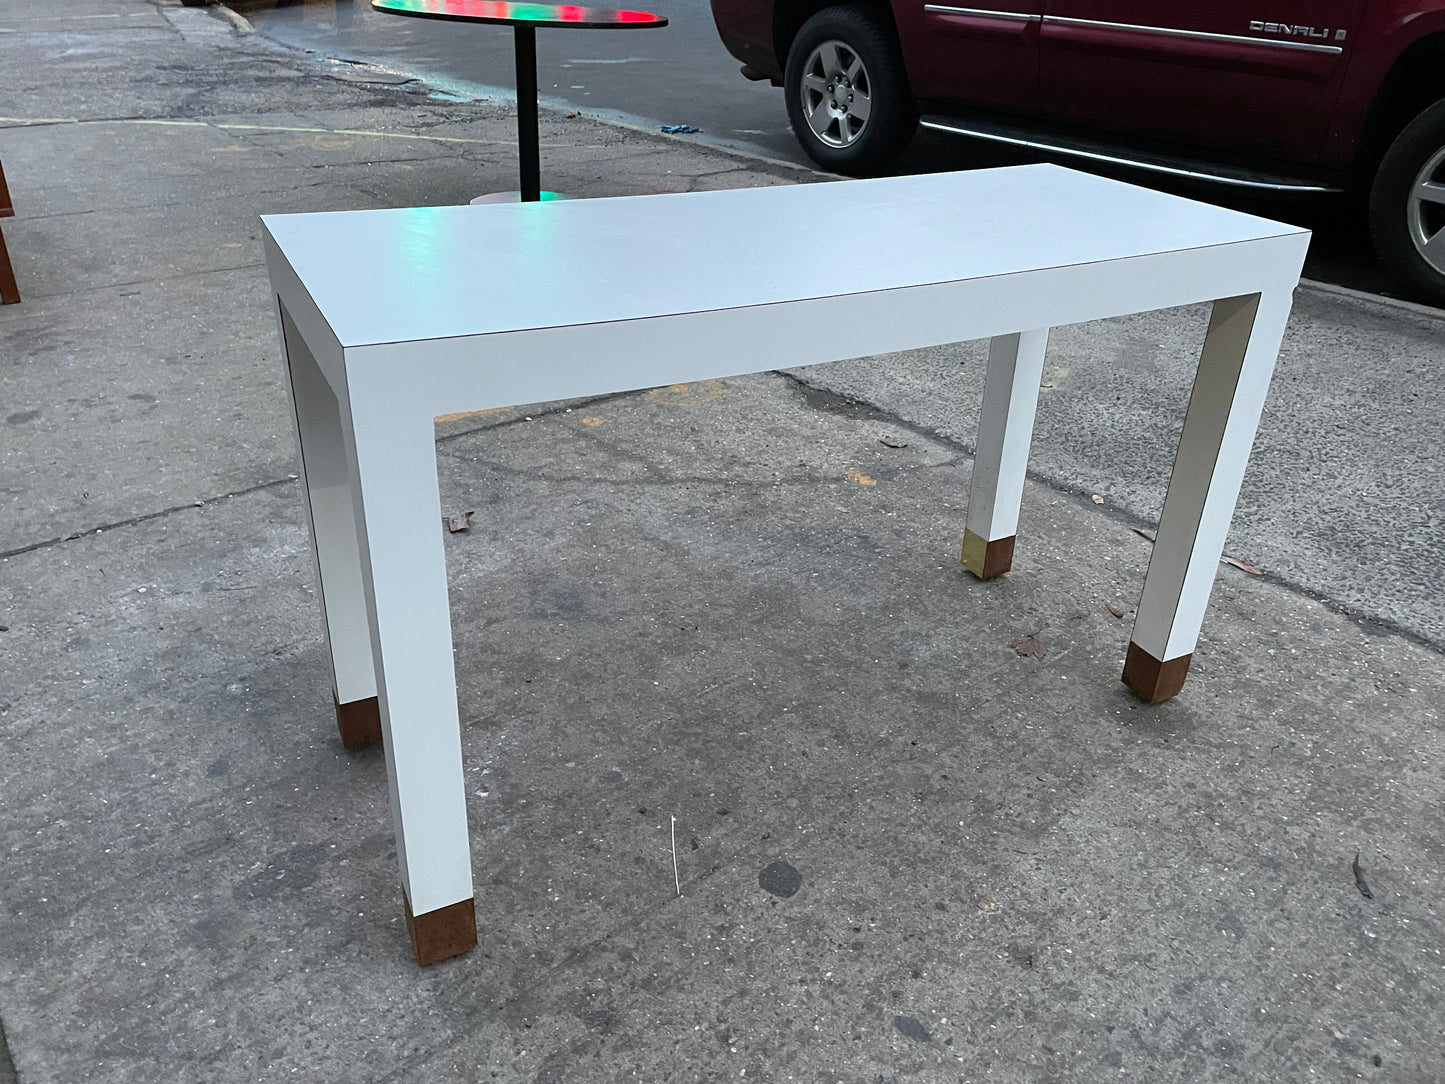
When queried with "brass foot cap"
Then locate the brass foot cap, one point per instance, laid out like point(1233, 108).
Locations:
point(441, 934)
point(987, 559)
point(1151, 680)
point(359, 722)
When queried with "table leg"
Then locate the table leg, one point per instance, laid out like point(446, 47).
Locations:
point(326, 487)
point(1224, 409)
point(1005, 428)
point(404, 569)
point(528, 152)
point(9, 288)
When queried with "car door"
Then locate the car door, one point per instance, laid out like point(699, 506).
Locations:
point(1252, 79)
point(982, 53)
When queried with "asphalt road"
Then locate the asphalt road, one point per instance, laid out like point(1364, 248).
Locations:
point(682, 75)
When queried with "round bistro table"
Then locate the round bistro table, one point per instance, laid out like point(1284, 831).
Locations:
point(524, 19)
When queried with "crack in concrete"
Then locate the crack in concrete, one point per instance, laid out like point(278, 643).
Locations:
point(544, 412)
point(698, 178)
point(146, 282)
point(1082, 495)
point(664, 480)
point(170, 204)
point(145, 517)
point(50, 122)
point(242, 135)
point(7, 1063)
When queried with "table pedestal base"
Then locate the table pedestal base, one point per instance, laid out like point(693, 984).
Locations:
point(515, 197)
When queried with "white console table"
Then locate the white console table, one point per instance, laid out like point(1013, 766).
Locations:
point(391, 318)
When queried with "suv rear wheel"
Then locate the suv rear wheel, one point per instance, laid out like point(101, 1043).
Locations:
point(847, 93)
point(1407, 204)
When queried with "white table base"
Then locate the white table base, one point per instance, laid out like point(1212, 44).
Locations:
point(369, 373)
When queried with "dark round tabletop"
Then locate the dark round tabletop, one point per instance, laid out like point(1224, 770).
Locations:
point(507, 13)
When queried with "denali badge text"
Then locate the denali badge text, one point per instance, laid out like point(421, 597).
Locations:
point(1295, 31)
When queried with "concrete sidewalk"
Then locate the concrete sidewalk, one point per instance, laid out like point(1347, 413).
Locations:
point(906, 851)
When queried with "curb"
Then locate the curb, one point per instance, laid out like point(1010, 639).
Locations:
point(1428, 311)
point(239, 22)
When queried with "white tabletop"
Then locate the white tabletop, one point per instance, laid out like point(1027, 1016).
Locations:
point(440, 272)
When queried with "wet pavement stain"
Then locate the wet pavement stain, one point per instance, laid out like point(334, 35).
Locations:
point(687, 395)
point(290, 871)
point(780, 879)
point(1022, 955)
point(912, 1029)
point(603, 1020)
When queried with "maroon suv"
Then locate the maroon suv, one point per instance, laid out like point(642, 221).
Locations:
point(1328, 95)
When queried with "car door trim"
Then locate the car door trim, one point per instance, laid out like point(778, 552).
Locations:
point(1013, 16)
point(1202, 35)
point(955, 128)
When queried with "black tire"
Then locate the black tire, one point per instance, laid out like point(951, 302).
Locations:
point(846, 144)
point(1400, 221)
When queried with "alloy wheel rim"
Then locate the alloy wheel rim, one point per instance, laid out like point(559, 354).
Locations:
point(836, 94)
point(1426, 211)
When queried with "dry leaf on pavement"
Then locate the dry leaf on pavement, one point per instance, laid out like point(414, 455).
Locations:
point(1237, 563)
point(1028, 646)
